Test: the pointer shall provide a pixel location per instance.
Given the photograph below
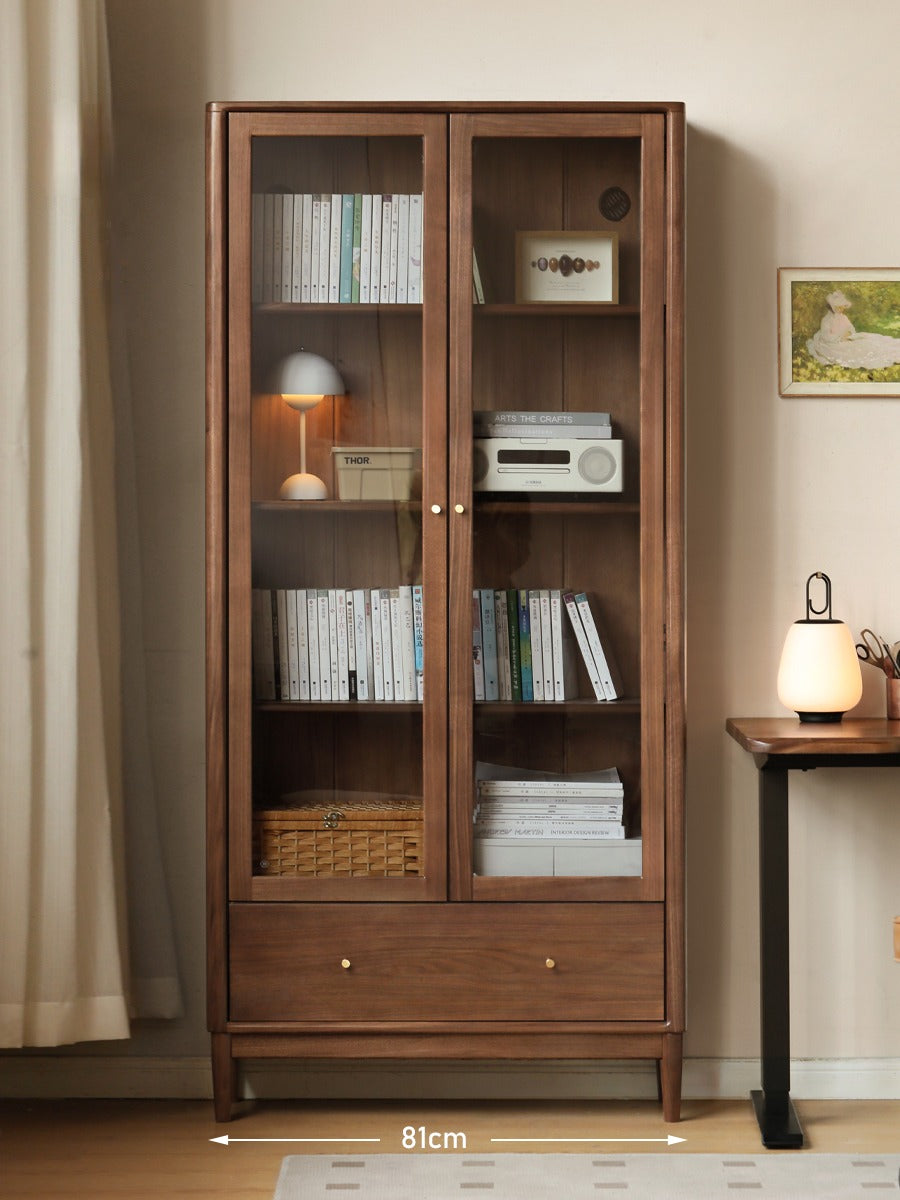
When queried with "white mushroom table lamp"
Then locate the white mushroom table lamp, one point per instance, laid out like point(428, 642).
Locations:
point(303, 380)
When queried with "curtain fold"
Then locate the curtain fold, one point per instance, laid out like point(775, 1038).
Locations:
point(63, 925)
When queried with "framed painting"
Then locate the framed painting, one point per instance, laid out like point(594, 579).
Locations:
point(838, 331)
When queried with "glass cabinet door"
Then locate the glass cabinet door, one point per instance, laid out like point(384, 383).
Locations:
point(337, 436)
point(557, 410)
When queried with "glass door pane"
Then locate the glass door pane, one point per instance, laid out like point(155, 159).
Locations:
point(341, 605)
point(562, 795)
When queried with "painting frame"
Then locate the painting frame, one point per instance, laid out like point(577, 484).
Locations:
point(829, 358)
point(597, 282)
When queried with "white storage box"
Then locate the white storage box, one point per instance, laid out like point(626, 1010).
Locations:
point(606, 856)
point(377, 472)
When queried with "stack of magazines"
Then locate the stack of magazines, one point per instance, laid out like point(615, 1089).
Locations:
point(544, 823)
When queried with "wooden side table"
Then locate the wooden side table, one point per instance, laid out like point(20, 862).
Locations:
point(780, 745)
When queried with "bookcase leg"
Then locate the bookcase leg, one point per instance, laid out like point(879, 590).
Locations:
point(225, 1076)
point(670, 1076)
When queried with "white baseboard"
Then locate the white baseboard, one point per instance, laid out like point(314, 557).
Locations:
point(42, 1077)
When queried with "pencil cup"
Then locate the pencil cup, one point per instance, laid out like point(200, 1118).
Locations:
point(892, 689)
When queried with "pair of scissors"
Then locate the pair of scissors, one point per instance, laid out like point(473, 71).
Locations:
point(876, 652)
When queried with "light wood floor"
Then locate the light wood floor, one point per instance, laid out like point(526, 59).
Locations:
point(144, 1150)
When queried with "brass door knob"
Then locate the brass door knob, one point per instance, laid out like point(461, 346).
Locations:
point(550, 963)
point(459, 508)
point(436, 509)
point(345, 963)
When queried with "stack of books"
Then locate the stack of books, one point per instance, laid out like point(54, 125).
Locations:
point(543, 823)
point(526, 643)
point(327, 644)
point(592, 425)
point(336, 248)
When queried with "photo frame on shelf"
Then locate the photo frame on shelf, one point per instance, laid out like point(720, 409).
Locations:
point(838, 331)
point(567, 267)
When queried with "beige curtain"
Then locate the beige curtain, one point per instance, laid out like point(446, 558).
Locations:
point(63, 937)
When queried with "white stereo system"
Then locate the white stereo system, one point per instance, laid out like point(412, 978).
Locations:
point(547, 465)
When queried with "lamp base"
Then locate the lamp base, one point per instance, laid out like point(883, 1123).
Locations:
point(823, 718)
point(303, 486)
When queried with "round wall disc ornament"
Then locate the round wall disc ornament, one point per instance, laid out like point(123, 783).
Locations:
point(615, 203)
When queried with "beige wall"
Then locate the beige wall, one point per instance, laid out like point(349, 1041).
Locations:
point(791, 162)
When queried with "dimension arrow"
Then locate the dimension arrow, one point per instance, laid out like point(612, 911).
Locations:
point(670, 1140)
point(226, 1140)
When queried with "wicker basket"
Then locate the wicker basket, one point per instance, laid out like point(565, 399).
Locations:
point(344, 836)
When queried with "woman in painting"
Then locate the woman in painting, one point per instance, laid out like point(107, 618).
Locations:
point(836, 342)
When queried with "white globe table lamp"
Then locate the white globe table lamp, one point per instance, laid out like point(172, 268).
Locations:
point(303, 380)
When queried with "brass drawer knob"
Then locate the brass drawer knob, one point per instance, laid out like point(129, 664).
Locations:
point(436, 509)
point(550, 964)
point(459, 508)
point(345, 963)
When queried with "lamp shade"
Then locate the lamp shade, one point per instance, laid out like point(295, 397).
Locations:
point(303, 378)
point(819, 675)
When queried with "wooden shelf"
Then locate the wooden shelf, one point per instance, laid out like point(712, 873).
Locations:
point(606, 708)
point(590, 309)
point(360, 310)
point(312, 508)
point(535, 503)
point(339, 706)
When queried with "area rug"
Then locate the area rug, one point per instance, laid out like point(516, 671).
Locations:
point(668, 1175)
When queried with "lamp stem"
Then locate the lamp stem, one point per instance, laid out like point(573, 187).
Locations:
point(303, 443)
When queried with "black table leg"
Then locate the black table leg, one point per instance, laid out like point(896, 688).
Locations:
point(775, 1112)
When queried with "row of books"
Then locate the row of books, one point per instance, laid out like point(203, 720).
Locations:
point(326, 644)
point(526, 643)
point(544, 806)
point(336, 248)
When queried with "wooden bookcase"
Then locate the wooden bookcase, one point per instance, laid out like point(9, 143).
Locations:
point(436, 961)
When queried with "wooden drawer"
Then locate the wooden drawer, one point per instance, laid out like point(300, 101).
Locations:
point(422, 962)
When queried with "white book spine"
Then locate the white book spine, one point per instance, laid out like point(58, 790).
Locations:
point(387, 651)
point(546, 643)
point(386, 209)
point(408, 643)
point(333, 645)
point(418, 597)
point(303, 643)
point(257, 205)
point(290, 601)
point(284, 685)
point(375, 279)
point(275, 248)
point(287, 246)
point(334, 257)
point(414, 286)
point(306, 262)
point(297, 251)
point(315, 268)
point(365, 249)
point(395, 247)
point(324, 646)
point(312, 633)
point(584, 648)
point(370, 649)
point(343, 644)
point(590, 629)
point(359, 640)
point(556, 625)
point(403, 249)
point(397, 646)
point(377, 644)
point(537, 668)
